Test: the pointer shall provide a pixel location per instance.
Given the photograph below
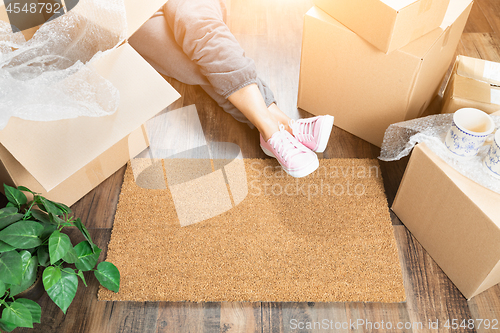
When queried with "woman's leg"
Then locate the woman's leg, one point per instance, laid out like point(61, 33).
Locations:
point(199, 28)
point(156, 43)
point(250, 102)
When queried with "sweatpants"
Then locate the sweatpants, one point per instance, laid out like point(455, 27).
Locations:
point(189, 41)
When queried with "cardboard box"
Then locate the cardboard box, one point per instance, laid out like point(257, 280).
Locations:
point(455, 219)
point(475, 83)
point(387, 24)
point(65, 159)
point(365, 89)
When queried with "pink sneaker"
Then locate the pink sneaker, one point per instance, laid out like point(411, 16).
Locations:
point(296, 160)
point(313, 132)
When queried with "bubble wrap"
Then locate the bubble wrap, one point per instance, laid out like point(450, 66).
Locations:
point(46, 77)
point(400, 138)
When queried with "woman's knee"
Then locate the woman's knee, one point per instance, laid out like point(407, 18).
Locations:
point(189, 14)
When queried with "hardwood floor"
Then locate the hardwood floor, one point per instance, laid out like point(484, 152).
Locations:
point(270, 32)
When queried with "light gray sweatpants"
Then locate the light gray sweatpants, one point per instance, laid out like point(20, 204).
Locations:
point(190, 41)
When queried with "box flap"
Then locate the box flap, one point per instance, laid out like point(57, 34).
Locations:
point(455, 9)
point(492, 279)
point(138, 12)
point(53, 151)
point(421, 46)
point(398, 4)
point(475, 90)
point(479, 69)
point(3, 13)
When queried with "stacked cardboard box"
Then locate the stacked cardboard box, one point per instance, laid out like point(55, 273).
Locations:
point(387, 24)
point(66, 159)
point(475, 83)
point(365, 88)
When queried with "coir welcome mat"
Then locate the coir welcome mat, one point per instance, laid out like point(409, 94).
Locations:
point(243, 230)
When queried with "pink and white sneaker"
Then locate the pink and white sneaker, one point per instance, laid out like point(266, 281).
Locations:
point(313, 132)
point(297, 160)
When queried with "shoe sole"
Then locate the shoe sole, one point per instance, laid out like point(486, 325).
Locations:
point(324, 134)
point(295, 173)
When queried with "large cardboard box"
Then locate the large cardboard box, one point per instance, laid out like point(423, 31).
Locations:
point(65, 159)
point(475, 83)
point(455, 219)
point(387, 24)
point(365, 89)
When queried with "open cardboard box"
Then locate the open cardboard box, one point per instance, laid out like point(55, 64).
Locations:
point(475, 83)
point(456, 220)
point(387, 24)
point(365, 89)
point(66, 159)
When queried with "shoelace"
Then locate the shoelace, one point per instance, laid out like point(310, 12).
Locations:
point(285, 144)
point(302, 130)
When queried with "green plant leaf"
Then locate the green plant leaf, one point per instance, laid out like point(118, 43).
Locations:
point(51, 275)
point(40, 216)
point(55, 219)
point(2, 289)
point(22, 234)
point(85, 233)
point(17, 314)
point(80, 274)
point(24, 188)
point(50, 207)
point(70, 257)
point(15, 196)
point(9, 215)
point(7, 211)
point(108, 275)
point(29, 273)
point(43, 255)
point(48, 229)
point(33, 307)
point(59, 244)
point(6, 326)
point(4, 247)
point(87, 259)
point(11, 267)
point(62, 207)
point(10, 204)
point(63, 291)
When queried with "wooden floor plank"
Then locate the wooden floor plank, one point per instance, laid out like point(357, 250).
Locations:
point(491, 10)
point(240, 317)
point(431, 296)
point(481, 45)
point(485, 306)
point(247, 17)
point(477, 22)
point(188, 317)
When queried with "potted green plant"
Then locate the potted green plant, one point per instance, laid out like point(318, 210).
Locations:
point(31, 241)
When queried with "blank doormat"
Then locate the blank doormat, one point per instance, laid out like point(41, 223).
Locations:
point(326, 237)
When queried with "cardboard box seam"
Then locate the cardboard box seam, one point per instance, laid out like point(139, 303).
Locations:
point(415, 80)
